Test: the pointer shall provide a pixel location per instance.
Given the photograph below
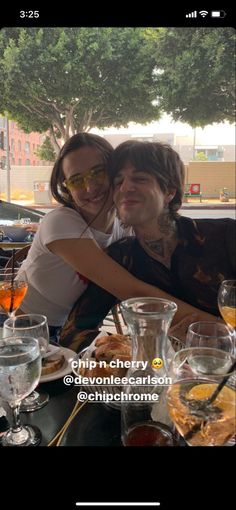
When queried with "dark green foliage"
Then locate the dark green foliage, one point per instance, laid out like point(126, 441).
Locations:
point(195, 81)
point(71, 79)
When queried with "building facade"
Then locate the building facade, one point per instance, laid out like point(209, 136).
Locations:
point(23, 145)
point(182, 144)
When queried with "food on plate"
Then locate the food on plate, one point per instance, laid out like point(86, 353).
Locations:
point(104, 339)
point(113, 347)
point(109, 348)
point(52, 364)
point(106, 371)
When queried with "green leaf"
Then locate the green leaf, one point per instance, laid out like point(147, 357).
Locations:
point(73, 79)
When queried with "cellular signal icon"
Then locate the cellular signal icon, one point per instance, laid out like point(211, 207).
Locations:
point(191, 15)
point(203, 13)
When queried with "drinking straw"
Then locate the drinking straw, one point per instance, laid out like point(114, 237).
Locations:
point(197, 427)
point(222, 384)
point(56, 441)
point(12, 280)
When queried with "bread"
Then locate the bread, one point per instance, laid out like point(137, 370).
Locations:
point(122, 357)
point(109, 351)
point(113, 347)
point(106, 371)
point(109, 348)
point(104, 339)
point(52, 364)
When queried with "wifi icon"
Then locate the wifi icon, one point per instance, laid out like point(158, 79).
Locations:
point(203, 13)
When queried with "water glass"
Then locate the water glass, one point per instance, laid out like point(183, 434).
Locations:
point(32, 324)
point(20, 369)
point(211, 334)
point(28, 325)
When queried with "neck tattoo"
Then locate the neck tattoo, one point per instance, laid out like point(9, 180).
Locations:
point(162, 248)
point(157, 246)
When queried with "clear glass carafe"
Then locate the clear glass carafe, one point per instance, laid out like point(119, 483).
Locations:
point(144, 417)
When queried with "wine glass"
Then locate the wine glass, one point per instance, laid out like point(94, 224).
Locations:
point(13, 288)
point(29, 325)
point(20, 368)
point(227, 301)
point(196, 372)
point(211, 334)
point(227, 307)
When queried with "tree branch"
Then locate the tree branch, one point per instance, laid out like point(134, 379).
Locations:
point(67, 129)
point(71, 113)
point(47, 103)
point(95, 121)
point(31, 109)
point(84, 124)
point(54, 141)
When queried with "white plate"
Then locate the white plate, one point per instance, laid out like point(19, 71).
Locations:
point(64, 370)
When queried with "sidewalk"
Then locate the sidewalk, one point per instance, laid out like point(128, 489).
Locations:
point(208, 203)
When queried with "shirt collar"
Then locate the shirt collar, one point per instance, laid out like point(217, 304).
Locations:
point(190, 238)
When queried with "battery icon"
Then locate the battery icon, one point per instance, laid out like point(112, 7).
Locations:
point(218, 14)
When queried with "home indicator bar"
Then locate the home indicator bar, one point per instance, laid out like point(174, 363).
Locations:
point(152, 504)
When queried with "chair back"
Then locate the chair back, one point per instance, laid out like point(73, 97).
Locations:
point(19, 256)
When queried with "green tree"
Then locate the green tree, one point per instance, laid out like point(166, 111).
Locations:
point(65, 80)
point(46, 151)
point(195, 73)
point(200, 156)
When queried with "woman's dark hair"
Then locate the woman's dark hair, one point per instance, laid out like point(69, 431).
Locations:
point(156, 158)
point(58, 190)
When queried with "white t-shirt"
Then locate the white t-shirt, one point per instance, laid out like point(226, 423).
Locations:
point(54, 286)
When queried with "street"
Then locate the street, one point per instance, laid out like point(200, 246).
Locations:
point(208, 213)
point(193, 213)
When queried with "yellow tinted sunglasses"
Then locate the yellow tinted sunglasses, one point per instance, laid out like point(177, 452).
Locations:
point(78, 181)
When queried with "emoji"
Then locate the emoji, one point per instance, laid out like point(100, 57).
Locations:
point(157, 363)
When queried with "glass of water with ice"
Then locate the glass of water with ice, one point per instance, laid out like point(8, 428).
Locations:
point(28, 325)
point(20, 369)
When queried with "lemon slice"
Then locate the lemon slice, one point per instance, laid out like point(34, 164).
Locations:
point(225, 400)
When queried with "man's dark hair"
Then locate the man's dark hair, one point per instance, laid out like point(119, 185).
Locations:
point(156, 158)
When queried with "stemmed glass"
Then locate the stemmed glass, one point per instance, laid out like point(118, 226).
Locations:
point(13, 288)
point(211, 334)
point(20, 368)
point(35, 325)
point(227, 301)
point(227, 307)
point(195, 374)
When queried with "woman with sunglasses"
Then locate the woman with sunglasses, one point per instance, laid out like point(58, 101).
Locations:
point(67, 250)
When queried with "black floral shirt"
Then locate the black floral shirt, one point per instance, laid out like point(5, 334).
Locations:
point(204, 257)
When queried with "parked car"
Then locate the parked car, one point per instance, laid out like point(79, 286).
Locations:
point(10, 213)
point(14, 212)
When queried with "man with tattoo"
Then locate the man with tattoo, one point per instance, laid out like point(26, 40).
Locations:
point(184, 257)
